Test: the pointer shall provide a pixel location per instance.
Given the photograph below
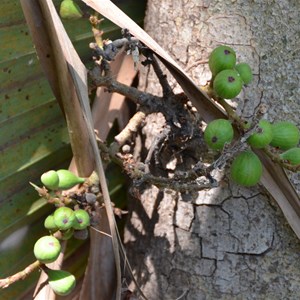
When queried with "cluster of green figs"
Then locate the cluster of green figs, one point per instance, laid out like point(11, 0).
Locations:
point(62, 225)
point(228, 78)
point(246, 168)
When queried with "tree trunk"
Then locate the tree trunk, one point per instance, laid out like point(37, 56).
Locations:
point(228, 242)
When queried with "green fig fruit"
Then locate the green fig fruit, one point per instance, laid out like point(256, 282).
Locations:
point(245, 72)
point(68, 179)
point(291, 156)
point(227, 84)
point(67, 234)
point(221, 58)
point(50, 180)
point(47, 249)
point(82, 219)
point(285, 135)
point(246, 169)
point(50, 224)
point(263, 136)
point(64, 218)
point(217, 133)
point(61, 282)
point(70, 10)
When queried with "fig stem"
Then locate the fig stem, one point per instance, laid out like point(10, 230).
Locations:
point(229, 110)
point(6, 282)
point(276, 158)
point(45, 268)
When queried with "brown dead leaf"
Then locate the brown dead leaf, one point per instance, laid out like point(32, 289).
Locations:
point(71, 87)
point(38, 32)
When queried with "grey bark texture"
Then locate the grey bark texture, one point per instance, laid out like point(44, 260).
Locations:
point(228, 242)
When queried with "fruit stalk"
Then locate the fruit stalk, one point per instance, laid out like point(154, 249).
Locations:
point(229, 110)
point(6, 282)
point(277, 159)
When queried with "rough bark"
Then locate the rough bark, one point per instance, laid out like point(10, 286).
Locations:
point(229, 242)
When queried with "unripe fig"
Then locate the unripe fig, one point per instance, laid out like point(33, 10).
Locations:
point(246, 169)
point(68, 179)
point(47, 249)
point(50, 224)
point(50, 180)
point(227, 84)
point(292, 156)
point(245, 72)
point(61, 282)
point(285, 135)
point(263, 136)
point(217, 133)
point(82, 219)
point(221, 58)
point(64, 218)
point(70, 10)
point(67, 234)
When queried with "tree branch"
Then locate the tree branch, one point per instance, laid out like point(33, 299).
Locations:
point(6, 282)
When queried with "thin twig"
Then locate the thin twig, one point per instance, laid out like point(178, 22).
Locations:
point(111, 48)
point(167, 90)
point(102, 232)
point(126, 134)
point(157, 140)
point(277, 159)
point(147, 101)
point(95, 29)
point(6, 282)
point(176, 184)
point(182, 295)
